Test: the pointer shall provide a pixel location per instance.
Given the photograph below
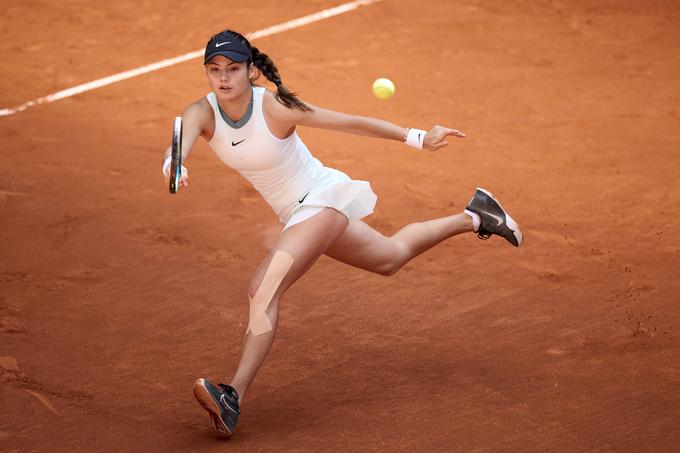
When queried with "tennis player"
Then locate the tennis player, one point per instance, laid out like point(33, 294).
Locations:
point(252, 130)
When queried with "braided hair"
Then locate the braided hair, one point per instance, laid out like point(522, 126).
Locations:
point(269, 70)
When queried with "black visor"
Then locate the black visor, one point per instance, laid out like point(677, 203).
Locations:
point(229, 46)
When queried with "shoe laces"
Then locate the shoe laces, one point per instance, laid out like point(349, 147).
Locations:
point(483, 234)
point(230, 391)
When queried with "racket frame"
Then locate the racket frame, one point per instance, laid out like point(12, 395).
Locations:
point(176, 160)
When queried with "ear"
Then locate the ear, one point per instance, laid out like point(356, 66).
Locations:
point(253, 72)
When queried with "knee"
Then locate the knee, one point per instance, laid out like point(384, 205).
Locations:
point(255, 283)
point(398, 258)
point(262, 292)
point(272, 276)
point(253, 286)
point(388, 269)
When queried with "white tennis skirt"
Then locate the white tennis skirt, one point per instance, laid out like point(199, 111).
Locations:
point(333, 189)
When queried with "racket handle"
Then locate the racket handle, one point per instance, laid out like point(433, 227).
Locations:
point(166, 166)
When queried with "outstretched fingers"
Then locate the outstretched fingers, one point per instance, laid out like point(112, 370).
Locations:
point(437, 137)
point(455, 133)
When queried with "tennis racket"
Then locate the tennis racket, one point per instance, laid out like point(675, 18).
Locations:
point(176, 162)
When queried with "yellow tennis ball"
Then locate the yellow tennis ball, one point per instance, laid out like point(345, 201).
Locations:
point(383, 88)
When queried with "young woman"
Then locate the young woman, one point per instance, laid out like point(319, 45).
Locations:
point(253, 131)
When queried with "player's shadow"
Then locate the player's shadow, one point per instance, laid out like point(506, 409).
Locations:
point(368, 380)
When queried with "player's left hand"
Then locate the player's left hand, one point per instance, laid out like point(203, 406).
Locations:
point(437, 137)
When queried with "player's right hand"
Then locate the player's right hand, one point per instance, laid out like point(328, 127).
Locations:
point(183, 178)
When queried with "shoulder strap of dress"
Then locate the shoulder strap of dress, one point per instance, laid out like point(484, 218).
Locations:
point(212, 100)
point(258, 101)
point(258, 96)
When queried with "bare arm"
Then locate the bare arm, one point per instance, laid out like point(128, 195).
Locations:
point(197, 120)
point(285, 119)
point(352, 124)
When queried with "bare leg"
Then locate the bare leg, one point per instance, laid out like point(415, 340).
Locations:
point(355, 243)
point(362, 246)
point(421, 236)
point(305, 242)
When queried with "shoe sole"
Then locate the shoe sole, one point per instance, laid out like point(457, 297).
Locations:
point(509, 221)
point(206, 400)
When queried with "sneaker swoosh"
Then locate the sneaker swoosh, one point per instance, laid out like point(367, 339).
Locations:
point(222, 43)
point(303, 198)
point(226, 405)
point(233, 143)
point(499, 219)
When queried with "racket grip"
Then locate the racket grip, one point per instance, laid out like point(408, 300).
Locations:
point(166, 165)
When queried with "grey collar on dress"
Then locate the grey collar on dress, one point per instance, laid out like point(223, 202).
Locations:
point(244, 119)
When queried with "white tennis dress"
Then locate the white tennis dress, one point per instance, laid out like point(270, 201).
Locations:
point(294, 183)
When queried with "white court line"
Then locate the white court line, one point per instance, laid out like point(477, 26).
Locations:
point(274, 29)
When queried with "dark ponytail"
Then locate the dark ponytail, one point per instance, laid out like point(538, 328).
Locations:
point(268, 69)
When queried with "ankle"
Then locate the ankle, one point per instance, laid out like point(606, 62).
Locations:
point(240, 390)
point(475, 220)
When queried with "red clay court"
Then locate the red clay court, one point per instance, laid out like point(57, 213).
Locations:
point(116, 296)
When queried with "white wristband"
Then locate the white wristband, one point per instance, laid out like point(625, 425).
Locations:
point(415, 138)
point(166, 165)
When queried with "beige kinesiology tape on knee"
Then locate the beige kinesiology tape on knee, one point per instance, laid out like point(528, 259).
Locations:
point(276, 272)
